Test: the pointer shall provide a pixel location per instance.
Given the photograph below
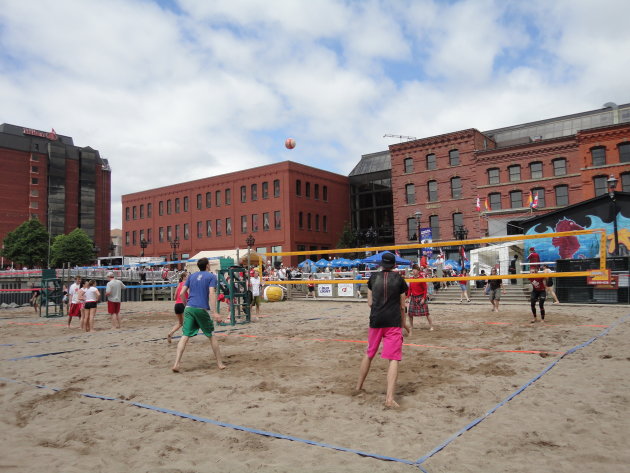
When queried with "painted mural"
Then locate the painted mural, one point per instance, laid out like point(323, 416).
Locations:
point(590, 215)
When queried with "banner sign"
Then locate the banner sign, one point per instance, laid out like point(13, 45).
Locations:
point(324, 290)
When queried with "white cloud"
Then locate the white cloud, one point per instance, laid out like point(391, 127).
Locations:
point(169, 95)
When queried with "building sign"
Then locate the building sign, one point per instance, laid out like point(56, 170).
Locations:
point(324, 290)
point(426, 236)
point(345, 290)
point(51, 135)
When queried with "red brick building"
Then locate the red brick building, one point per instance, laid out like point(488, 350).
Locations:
point(285, 206)
point(45, 176)
point(559, 161)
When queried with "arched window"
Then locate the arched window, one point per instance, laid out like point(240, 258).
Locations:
point(562, 195)
point(493, 176)
point(598, 156)
point(431, 162)
point(410, 193)
point(559, 167)
point(456, 188)
point(495, 201)
point(408, 165)
point(536, 170)
point(514, 173)
point(453, 157)
point(432, 191)
point(298, 187)
point(624, 152)
point(516, 199)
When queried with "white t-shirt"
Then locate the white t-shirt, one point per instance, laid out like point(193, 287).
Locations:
point(255, 284)
point(73, 292)
point(91, 294)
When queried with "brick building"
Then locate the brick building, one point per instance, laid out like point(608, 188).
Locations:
point(286, 207)
point(45, 176)
point(559, 161)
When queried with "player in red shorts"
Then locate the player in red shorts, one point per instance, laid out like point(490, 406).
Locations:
point(75, 303)
point(113, 291)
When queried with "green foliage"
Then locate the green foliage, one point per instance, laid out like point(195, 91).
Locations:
point(75, 248)
point(348, 239)
point(27, 245)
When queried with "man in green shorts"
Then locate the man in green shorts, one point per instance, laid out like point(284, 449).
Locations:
point(201, 289)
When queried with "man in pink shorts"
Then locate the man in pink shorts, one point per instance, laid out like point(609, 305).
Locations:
point(386, 299)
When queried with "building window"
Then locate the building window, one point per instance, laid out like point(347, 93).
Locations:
point(127, 214)
point(34, 180)
point(161, 208)
point(208, 228)
point(434, 223)
point(495, 201)
point(141, 210)
point(218, 227)
point(127, 238)
point(228, 196)
point(562, 195)
point(169, 207)
point(598, 156)
point(276, 187)
point(254, 223)
point(493, 176)
point(316, 222)
point(410, 194)
point(412, 229)
point(431, 162)
point(514, 173)
point(149, 235)
point(308, 222)
point(34, 205)
point(301, 220)
point(169, 233)
point(177, 232)
point(456, 188)
point(177, 205)
point(208, 200)
point(228, 226)
point(453, 157)
point(186, 203)
point(307, 190)
point(516, 199)
point(161, 234)
point(34, 193)
point(408, 165)
point(34, 169)
point(624, 152)
point(217, 198)
point(316, 195)
point(458, 222)
point(149, 210)
point(243, 194)
point(134, 240)
point(324, 223)
point(625, 182)
point(200, 229)
point(265, 190)
point(325, 193)
point(298, 187)
point(135, 213)
point(266, 221)
point(601, 186)
point(536, 170)
point(277, 223)
point(243, 223)
point(540, 192)
point(199, 202)
point(186, 231)
point(559, 167)
point(254, 192)
point(432, 188)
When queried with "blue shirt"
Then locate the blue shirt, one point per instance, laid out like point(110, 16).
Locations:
point(199, 285)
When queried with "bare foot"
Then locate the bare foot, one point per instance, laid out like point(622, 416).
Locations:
point(391, 404)
point(221, 366)
point(430, 329)
point(533, 321)
point(358, 392)
point(169, 339)
point(175, 369)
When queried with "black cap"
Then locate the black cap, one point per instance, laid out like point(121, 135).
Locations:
point(388, 261)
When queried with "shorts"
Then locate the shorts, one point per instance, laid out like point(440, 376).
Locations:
point(538, 295)
point(311, 289)
point(179, 308)
point(90, 305)
point(75, 310)
point(256, 301)
point(463, 287)
point(495, 294)
point(392, 342)
point(113, 307)
point(195, 319)
point(417, 308)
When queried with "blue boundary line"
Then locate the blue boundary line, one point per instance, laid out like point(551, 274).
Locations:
point(265, 433)
point(517, 392)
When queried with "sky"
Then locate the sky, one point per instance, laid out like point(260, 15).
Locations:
point(174, 90)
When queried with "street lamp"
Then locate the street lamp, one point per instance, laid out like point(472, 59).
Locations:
point(143, 245)
point(612, 184)
point(174, 244)
point(460, 232)
point(418, 215)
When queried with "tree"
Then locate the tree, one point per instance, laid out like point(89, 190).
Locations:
point(27, 245)
point(75, 248)
point(348, 239)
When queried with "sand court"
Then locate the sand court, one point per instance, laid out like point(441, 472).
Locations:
point(285, 401)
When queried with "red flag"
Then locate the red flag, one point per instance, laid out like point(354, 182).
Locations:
point(535, 202)
point(478, 205)
point(462, 253)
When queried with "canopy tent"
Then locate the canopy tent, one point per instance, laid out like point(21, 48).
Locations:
point(307, 262)
point(254, 259)
point(322, 263)
point(377, 258)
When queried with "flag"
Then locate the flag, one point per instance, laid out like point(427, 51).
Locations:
point(530, 200)
point(478, 205)
point(487, 205)
point(535, 202)
point(462, 254)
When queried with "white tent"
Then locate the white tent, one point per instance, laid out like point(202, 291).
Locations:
point(492, 256)
point(214, 258)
